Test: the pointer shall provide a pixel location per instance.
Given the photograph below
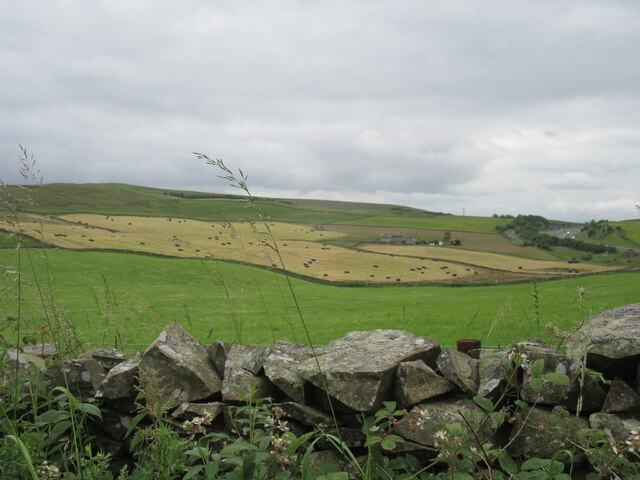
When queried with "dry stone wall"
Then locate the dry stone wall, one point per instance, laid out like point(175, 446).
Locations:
point(354, 375)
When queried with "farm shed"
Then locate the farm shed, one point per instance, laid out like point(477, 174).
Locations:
point(397, 239)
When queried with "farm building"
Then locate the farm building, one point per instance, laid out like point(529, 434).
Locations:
point(397, 239)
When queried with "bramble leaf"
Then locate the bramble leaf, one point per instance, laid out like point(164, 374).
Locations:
point(557, 378)
point(537, 368)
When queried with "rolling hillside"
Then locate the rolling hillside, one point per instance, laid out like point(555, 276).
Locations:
point(328, 241)
point(117, 262)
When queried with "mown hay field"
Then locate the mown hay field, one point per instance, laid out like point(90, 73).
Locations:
point(486, 242)
point(301, 249)
point(488, 260)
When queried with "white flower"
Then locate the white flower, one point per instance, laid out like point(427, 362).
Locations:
point(280, 443)
point(633, 441)
point(48, 472)
point(283, 425)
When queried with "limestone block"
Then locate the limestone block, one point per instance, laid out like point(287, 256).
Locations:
point(621, 398)
point(540, 432)
point(182, 366)
point(618, 426)
point(281, 367)
point(416, 382)
point(218, 351)
point(358, 369)
point(460, 369)
point(121, 380)
point(554, 362)
point(445, 410)
point(608, 339)
point(494, 370)
point(190, 410)
point(241, 378)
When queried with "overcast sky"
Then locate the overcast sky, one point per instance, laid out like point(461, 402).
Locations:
point(502, 107)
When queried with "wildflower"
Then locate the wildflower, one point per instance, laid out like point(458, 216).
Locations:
point(48, 472)
point(440, 438)
point(207, 419)
point(419, 417)
point(516, 356)
point(283, 426)
point(269, 422)
point(197, 424)
point(280, 443)
point(633, 441)
point(374, 428)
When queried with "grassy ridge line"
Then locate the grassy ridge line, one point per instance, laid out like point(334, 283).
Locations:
point(310, 204)
point(631, 229)
point(204, 210)
point(126, 199)
point(615, 239)
point(148, 292)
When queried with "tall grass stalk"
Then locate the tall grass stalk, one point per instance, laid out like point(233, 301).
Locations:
point(28, 173)
point(255, 280)
point(500, 316)
point(240, 182)
point(109, 314)
point(536, 306)
point(57, 327)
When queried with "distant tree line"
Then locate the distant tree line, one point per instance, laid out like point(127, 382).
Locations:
point(600, 228)
point(194, 195)
point(528, 228)
point(545, 241)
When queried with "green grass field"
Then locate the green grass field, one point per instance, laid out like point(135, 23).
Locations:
point(131, 296)
point(440, 222)
point(106, 294)
point(616, 238)
point(631, 228)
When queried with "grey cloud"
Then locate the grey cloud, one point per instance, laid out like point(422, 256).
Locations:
point(481, 103)
point(574, 180)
